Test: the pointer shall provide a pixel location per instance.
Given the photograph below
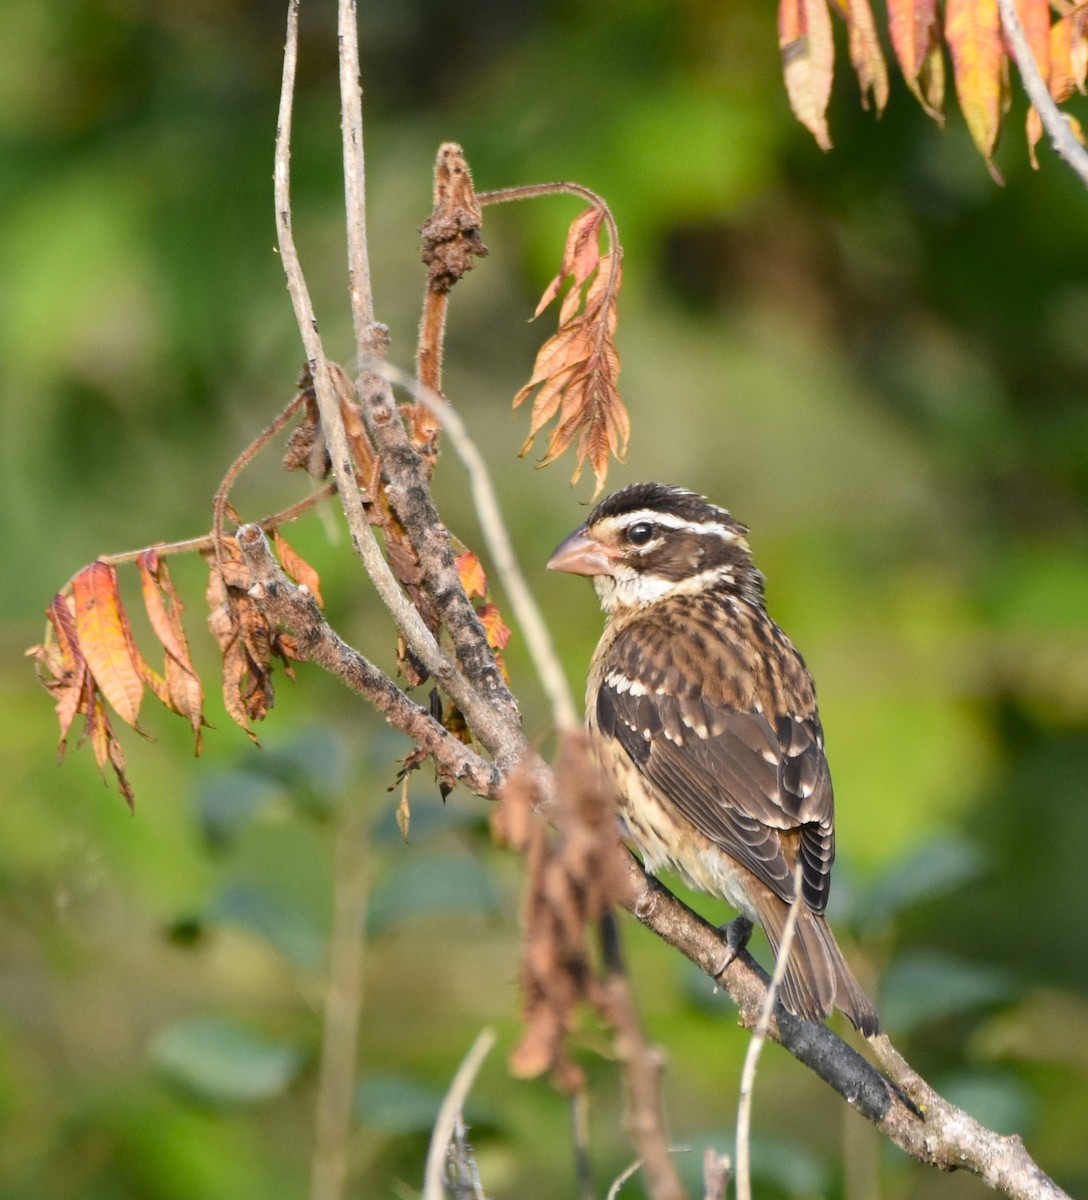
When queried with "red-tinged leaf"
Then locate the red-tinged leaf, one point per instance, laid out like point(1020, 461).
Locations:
point(186, 696)
point(550, 293)
point(164, 606)
point(498, 632)
point(61, 668)
point(471, 573)
point(107, 749)
point(915, 27)
point(1035, 21)
point(583, 249)
point(866, 54)
point(972, 29)
point(572, 302)
point(297, 568)
point(808, 62)
point(181, 690)
point(581, 256)
point(555, 391)
point(104, 638)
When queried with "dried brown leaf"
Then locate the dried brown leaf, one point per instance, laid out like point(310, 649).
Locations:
point(577, 368)
point(572, 881)
point(60, 666)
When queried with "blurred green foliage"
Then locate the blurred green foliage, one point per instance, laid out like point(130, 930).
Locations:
point(875, 358)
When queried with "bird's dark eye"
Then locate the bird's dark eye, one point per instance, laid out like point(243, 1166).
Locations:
point(640, 533)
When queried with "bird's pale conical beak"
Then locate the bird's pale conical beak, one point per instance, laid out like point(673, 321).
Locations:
point(581, 555)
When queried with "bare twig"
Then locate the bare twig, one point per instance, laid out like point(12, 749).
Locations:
point(531, 191)
point(207, 542)
point(446, 1121)
point(409, 622)
point(526, 610)
point(1054, 120)
point(343, 1004)
point(294, 607)
point(716, 1168)
point(755, 1045)
point(367, 338)
point(222, 493)
point(627, 1172)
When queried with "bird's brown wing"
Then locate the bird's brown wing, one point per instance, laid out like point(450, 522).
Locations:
point(746, 779)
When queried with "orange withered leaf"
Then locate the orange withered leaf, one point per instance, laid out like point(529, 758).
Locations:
point(577, 369)
point(105, 640)
point(296, 567)
point(581, 255)
point(808, 62)
point(1069, 53)
point(471, 573)
point(915, 27)
point(61, 667)
point(866, 54)
point(497, 630)
point(181, 689)
point(106, 747)
point(972, 29)
point(1035, 21)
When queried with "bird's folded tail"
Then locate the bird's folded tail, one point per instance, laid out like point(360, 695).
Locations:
point(817, 978)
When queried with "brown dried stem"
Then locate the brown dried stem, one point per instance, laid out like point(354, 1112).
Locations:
point(222, 494)
point(207, 541)
point(532, 191)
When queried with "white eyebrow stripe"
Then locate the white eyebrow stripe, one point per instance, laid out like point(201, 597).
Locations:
point(669, 521)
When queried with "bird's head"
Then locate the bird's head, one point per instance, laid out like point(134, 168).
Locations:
point(651, 541)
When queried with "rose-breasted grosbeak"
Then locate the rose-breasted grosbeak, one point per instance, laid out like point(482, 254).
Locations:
point(703, 716)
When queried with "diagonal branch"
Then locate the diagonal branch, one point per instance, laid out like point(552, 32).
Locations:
point(904, 1108)
point(293, 607)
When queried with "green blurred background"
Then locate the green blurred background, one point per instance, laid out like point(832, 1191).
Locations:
point(875, 358)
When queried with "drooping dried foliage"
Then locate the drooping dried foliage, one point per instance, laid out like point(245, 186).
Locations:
point(577, 369)
point(571, 883)
point(920, 32)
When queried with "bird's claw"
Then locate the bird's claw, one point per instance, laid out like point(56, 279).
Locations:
point(736, 933)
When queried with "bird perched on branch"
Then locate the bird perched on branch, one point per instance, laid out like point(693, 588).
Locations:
point(703, 716)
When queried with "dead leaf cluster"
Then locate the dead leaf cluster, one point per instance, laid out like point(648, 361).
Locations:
point(577, 369)
point(572, 881)
point(971, 32)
